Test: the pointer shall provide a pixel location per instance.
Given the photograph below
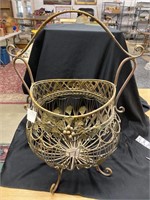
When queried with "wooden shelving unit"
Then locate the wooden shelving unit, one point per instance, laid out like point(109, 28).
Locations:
point(6, 7)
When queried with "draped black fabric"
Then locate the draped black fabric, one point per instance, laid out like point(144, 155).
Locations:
point(84, 51)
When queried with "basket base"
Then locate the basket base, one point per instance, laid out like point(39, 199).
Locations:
point(106, 172)
point(54, 186)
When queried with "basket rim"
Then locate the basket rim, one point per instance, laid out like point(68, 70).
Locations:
point(72, 116)
point(71, 79)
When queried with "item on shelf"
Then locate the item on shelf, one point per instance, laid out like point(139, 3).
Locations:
point(55, 2)
point(9, 23)
point(107, 20)
point(61, 9)
point(127, 20)
point(39, 12)
point(112, 9)
point(42, 12)
point(86, 2)
point(74, 123)
point(2, 26)
point(2, 33)
point(4, 57)
point(82, 19)
point(142, 15)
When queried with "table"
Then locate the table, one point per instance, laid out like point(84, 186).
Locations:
point(20, 194)
point(10, 35)
point(84, 51)
point(33, 21)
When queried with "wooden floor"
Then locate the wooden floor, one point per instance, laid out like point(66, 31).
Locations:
point(145, 94)
point(19, 194)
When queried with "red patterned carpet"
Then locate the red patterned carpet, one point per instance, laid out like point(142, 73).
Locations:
point(11, 85)
point(9, 80)
point(3, 153)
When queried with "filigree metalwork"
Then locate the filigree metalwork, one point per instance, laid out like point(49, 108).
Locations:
point(106, 172)
point(77, 123)
point(54, 186)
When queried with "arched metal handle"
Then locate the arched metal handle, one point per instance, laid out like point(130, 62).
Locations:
point(16, 57)
point(28, 69)
point(49, 19)
point(130, 58)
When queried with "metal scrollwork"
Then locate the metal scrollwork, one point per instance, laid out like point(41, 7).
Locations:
point(77, 123)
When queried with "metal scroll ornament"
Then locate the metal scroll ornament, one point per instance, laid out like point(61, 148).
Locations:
point(77, 123)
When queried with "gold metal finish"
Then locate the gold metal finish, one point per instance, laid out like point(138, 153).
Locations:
point(77, 125)
point(106, 172)
point(54, 186)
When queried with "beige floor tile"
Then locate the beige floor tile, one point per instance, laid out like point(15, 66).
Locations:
point(10, 117)
point(145, 94)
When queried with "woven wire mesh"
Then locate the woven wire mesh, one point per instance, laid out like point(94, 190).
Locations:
point(76, 124)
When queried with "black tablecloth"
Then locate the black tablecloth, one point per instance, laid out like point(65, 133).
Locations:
point(82, 51)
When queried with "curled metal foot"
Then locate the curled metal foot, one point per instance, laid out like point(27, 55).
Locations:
point(106, 172)
point(54, 186)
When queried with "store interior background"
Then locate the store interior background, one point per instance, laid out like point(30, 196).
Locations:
point(12, 114)
point(37, 4)
point(128, 19)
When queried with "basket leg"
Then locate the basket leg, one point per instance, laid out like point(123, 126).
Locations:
point(54, 186)
point(106, 171)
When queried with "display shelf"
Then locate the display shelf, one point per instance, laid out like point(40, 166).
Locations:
point(134, 18)
point(111, 12)
point(142, 15)
point(127, 20)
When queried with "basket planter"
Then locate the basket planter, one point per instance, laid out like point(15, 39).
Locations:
point(76, 122)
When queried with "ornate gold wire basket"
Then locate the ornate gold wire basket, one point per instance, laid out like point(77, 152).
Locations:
point(76, 124)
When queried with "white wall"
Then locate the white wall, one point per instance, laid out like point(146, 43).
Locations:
point(37, 4)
